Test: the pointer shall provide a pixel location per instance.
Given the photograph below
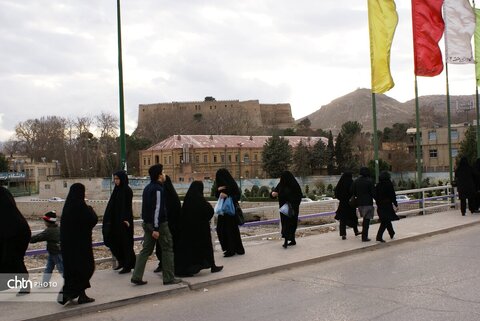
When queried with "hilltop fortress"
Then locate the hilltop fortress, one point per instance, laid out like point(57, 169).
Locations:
point(259, 115)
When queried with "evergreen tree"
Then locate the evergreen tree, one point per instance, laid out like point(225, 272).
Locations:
point(468, 146)
point(3, 163)
point(318, 158)
point(340, 151)
point(276, 156)
point(330, 154)
point(302, 160)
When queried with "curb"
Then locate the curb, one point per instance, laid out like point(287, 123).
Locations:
point(191, 286)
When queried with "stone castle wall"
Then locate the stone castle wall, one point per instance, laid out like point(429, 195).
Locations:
point(270, 115)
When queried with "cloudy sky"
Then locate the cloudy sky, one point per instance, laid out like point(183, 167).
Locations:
point(60, 57)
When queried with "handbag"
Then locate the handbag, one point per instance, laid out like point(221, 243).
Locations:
point(353, 201)
point(239, 215)
point(287, 210)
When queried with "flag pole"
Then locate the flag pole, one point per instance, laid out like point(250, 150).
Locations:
point(477, 109)
point(123, 158)
point(417, 137)
point(449, 127)
point(375, 138)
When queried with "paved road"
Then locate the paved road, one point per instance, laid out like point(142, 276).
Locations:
point(435, 278)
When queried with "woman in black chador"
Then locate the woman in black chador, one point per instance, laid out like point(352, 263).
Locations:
point(78, 220)
point(227, 228)
point(346, 214)
point(118, 223)
point(385, 198)
point(289, 191)
point(174, 208)
point(14, 238)
point(195, 244)
point(465, 178)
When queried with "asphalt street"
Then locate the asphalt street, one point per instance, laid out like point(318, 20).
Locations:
point(433, 278)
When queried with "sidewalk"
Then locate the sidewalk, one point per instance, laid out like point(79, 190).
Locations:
point(112, 290)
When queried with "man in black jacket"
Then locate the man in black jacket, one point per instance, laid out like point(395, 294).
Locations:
point(363, 189)
point(155, 226)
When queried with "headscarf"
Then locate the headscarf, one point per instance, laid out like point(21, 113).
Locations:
point(116, 209)
point(364, 171)
point(224, 178)
point(288, 184)
point(13, 222)
point(344, 185)
point(194, 199)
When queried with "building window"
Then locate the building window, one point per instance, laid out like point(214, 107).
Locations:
point(165, 159)
point(432, 135)
point(433, 153)
point(255, 157)
point(454, 152)
point(180, 158)
point(205, 158)
point(157, 159)
point(454, 135)
point(229, 158)
point(222, 158)
point(236, 158)
point(169, 159)
point(47, 186)
point(65, 185)
point(181, 179)
point(246, 158)
point(144, 162)
point(197, 158)
point(214, 158)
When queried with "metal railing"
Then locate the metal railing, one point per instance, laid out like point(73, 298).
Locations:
point(422, 206)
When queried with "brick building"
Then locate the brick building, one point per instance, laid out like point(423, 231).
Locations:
point(196, 157)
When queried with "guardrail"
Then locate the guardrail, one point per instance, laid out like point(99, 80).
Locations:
point(425, 204)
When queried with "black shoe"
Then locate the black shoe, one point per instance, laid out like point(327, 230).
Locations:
point(63, 299)
point(380, 240)
point(358, 233)
point(392, 236)
point(463, 214)
point(292, 243)
point(216, 268)
point(23, 292)
point(228, 254)
point(158, 269)
point(85, 299)
point(366, 240)
point(124, 271)
point(285, 245)
point(138, 282)
point(118, 267)
point(344, 237)
point(174, 281)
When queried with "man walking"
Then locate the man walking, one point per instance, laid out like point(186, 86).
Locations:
point(155, 226)
point(363, 190)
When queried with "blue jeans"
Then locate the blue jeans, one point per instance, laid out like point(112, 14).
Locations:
point(52, 261)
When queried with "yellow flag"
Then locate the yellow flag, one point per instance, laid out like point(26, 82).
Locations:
point(382, 22)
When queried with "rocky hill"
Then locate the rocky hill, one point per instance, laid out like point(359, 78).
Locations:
point(357, 106)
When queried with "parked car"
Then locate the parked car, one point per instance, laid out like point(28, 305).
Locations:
point(306, 200)
point(56, 199)
point(402, 198)
point(326, 198)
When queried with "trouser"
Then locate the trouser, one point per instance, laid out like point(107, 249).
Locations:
point(343, 228)
point(365, 226)
point(385, 226)
point(166, 244)
point(52, 261)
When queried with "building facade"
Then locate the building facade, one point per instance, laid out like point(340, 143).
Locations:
point(186, 158)
point(33, 172)
point(434, 145)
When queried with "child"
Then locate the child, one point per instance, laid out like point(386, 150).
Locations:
point(52, 236)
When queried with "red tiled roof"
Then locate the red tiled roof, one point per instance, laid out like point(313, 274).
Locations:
point(222, 141)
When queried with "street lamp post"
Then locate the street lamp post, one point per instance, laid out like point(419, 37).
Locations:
point(240, 167)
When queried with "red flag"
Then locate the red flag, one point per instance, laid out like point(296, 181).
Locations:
point(428, 27)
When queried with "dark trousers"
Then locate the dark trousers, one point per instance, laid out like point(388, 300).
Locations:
point(343, 228)
point(365, 226)
point(385, 226)
point(463, 204)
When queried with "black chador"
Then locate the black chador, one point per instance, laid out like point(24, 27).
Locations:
point(195, 250)
point(227, 228)
point(289, 191)
point(118, 223)
point(345, 213)
point(14, 238)
point(78, 220)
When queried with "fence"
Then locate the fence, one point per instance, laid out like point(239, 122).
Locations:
point(313, 215)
